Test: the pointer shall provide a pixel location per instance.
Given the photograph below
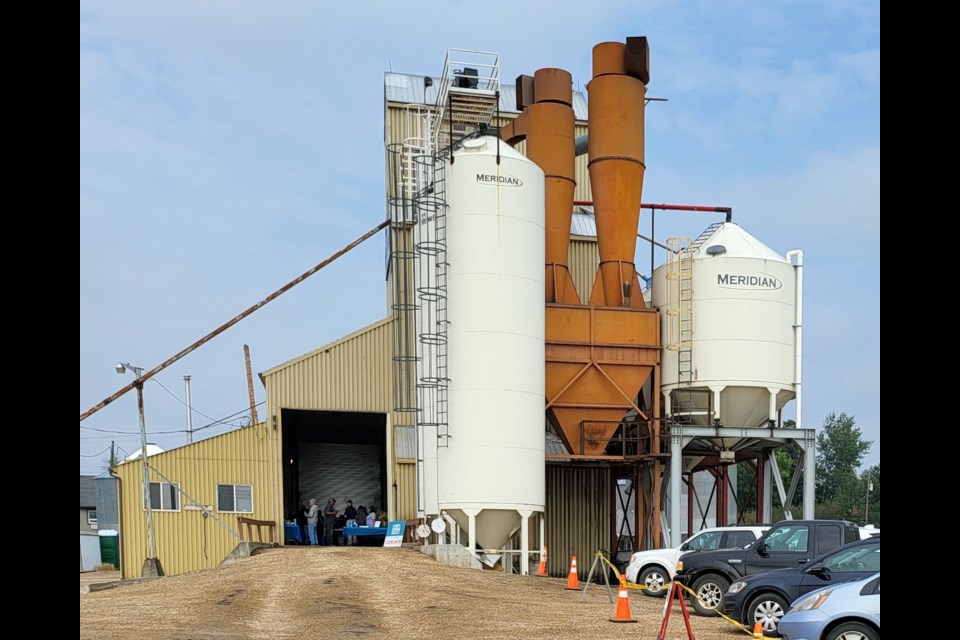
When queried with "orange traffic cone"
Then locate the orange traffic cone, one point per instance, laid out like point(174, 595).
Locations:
point(542, 569)
point(623, 604)
point(573, 580)
point(758, 630)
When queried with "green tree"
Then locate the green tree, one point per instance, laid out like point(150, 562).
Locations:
point(840, 450)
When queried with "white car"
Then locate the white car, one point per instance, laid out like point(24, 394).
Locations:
point(655, 568)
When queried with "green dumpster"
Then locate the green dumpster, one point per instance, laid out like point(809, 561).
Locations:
point(110, 549)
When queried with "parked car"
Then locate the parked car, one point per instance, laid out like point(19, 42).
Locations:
point(655, 568)
point(849, 611)
point(868, 531)
point(763, 598)
point(786, 544)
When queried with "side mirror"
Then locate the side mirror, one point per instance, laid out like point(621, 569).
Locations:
point(817, 569)
point(763, 549)
point(686, 547)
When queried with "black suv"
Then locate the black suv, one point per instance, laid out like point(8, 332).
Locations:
point(787, 544)
point(764, 597)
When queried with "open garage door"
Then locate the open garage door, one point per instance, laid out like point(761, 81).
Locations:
point(341, 471)
point(338, 454)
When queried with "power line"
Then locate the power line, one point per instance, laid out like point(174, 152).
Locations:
point(177, 398)
point(94, 455)
point(221, 421)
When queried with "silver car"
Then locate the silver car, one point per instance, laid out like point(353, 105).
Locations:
point(848, 611)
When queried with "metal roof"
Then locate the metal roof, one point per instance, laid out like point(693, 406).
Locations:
point(583, 223)
point(738, 244)
point(407, 88)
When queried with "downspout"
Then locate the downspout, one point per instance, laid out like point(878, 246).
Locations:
point(798, 326)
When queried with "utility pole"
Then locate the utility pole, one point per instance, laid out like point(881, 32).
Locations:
point(866, 507)
point(189, 403)
point(253, 398)
point(151, 566)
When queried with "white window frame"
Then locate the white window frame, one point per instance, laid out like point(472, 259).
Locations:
point(234, 485)
point(92, 521)
point(160, 508)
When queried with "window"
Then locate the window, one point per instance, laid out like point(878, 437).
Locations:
point(705, 540)
point(91, 516)
point(739, 539)
point(165, 496)
point(788, 538)
point(235, 498)
point(828, 537)
point(862, 558)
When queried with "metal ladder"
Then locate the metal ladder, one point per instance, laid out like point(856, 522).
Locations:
point(430, 242)
point(685, 304)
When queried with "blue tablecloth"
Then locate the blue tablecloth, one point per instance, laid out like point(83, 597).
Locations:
point(364, 531)
point(291, 533)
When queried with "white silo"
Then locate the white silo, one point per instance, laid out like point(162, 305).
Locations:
point(491, 468)
point(728, 305)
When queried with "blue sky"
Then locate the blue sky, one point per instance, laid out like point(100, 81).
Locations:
point(226, 147)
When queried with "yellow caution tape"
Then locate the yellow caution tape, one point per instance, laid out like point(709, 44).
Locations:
point(620, 577)
point(631, 585)
point(735, 623)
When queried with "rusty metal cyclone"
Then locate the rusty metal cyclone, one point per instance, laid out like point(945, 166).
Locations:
point(243, 314)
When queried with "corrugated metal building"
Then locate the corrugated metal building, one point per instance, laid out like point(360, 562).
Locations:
point(230, 474)
point(333, 412)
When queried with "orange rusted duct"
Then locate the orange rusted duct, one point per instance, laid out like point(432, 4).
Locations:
point(616, 163)
point(548, 126)
point(599, 356)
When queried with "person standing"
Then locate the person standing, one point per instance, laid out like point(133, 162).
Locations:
point(372, 516)
point(313, 516)
point(350, 513)
point(329, 520)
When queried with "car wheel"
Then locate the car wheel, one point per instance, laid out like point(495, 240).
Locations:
point(853, 631)
point(709, 590)
point(766, 609)
point(655, 579)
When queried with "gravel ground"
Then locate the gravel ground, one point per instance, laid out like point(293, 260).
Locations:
point(347, 592)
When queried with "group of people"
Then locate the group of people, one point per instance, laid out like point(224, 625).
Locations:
point(309, 516)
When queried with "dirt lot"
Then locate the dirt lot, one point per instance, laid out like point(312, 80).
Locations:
point(344, 592)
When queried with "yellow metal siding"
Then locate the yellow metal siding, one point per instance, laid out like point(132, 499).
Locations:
point(406, 500)
point(584, 258)
point(353, 374)
point(185, 540)
point(578, 516)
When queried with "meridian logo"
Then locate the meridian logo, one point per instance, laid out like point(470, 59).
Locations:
point(503, 180)
point(741, 281)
